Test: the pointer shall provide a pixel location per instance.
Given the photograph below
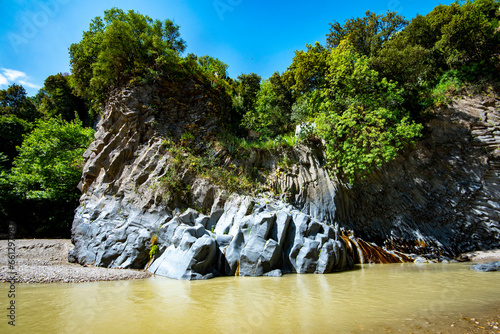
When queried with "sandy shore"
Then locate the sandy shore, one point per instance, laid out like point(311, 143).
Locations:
point(484, 256)
point(46, 261)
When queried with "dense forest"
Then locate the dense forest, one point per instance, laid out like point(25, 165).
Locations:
point(364, 95)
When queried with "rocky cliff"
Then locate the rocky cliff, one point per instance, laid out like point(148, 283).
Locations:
point(127, 215)
point(439, 198)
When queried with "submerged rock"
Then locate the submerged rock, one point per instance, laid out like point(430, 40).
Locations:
point(491, 266)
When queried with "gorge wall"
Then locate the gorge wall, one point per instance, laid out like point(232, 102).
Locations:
point(439, 198)
point(443, 197)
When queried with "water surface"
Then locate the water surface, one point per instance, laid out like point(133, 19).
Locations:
point(374, 298)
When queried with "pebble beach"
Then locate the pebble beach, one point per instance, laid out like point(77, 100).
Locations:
point(46, 261)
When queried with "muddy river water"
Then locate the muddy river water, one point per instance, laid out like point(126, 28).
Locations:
point(371, 298)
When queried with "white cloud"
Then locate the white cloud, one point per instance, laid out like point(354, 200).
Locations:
point(8, 76)
point(29, 84)
point(3, 80)
point(12, 75)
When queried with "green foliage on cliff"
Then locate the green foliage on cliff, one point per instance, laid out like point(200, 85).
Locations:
point(185, 165)
point(308, 70)
point(213, 66)
point(366, 34)
point(360, 116)
point(461, 37)
point(122, 46)
point(266, 118)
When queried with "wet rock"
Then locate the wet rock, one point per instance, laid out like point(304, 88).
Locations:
point(193, 258)
point(491, 266)
point(274, 273)
point(258, 243)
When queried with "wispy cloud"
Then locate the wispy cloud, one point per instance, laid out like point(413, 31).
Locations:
point(3, 81)
point(9, 76)
point(12, 75)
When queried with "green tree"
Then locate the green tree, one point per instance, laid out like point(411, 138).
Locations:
point(14, 101)
point(360, 118)
point(17, 112)
point(469, 36)
point(247, 87)
point(283, 99)
point(266, 118)
point(12, 129)
point(244, 97)
point(213, 66)
point(367, 34)
point(57, 98)
point(45, 175)
point(122, 46)
point(307, 71)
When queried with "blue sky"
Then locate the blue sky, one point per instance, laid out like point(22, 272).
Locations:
point(248, 35)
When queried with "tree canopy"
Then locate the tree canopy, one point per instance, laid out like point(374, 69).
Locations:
point(41, 185)
point(367, 34)
point(57, 98)
point(360, 116)
point(17, 112)
point(122, 46)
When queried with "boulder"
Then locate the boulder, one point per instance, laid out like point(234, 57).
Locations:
point(490, 266)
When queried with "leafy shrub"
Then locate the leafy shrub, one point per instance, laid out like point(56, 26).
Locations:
point(44, 177)
point(360, 118)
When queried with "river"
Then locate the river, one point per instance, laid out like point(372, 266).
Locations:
point(371, 298)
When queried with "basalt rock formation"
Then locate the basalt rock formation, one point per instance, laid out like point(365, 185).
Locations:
point(274, 239)
point(124, 211)
point(440, 198)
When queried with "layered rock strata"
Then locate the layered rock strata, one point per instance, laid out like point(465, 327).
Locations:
point(123, 208)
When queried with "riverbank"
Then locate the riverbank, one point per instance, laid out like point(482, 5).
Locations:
point(46, 261)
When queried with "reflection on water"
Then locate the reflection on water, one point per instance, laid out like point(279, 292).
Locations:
point(354, 301)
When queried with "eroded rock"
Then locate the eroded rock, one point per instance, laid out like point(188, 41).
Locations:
point(268, 239)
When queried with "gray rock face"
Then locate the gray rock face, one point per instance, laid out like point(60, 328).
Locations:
point(122, 207)
point(440, 198)
point(306, 184)
point(122, 211)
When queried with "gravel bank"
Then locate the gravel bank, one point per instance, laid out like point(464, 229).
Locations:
point(46, 261)
point(484, 256)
